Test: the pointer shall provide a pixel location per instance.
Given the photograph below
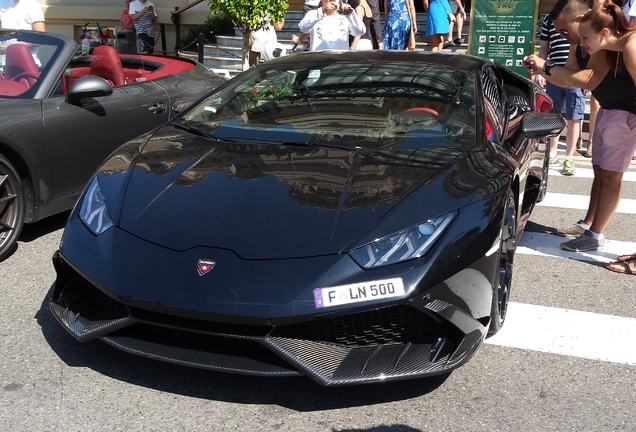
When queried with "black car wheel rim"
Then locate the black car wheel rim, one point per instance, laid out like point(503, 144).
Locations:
point(11, 209)
point(506, 256)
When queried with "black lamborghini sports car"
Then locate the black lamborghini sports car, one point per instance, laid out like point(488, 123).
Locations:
point(348, 216)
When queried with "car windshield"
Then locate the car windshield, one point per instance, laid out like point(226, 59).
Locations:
point(359, 104)
point(24, 61)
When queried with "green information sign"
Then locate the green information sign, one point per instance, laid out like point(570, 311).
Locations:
point(503, 31)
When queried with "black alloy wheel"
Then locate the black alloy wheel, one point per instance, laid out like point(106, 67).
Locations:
point(508, 244)
point(11, 207)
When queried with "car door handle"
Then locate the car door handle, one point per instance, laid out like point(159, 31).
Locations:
point(158, 108)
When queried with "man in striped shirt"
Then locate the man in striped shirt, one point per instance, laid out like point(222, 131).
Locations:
point(144, 15)
point(556, 48)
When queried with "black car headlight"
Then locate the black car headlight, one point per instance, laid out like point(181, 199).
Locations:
point(93, 212)
point(404, 245)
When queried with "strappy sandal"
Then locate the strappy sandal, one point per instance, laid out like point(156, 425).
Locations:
point(588, 152)
point(624, 267)
point(626, 257)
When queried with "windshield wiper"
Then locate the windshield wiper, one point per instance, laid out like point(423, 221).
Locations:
point(194, 131)
point(285, 143)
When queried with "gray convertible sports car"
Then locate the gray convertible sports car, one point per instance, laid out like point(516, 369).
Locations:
point(62, 114)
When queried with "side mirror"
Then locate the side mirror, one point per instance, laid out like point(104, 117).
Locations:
point(88, 86)
point(542, 125)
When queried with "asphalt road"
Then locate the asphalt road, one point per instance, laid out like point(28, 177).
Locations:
point(50, 382)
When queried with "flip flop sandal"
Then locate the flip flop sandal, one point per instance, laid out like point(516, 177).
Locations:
point(625, 269)
point(626, 257)
point(587, 155)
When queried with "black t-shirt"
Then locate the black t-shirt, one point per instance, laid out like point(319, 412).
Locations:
point(617, 90)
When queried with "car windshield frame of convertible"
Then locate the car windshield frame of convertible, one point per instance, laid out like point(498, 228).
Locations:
point(380, 106)
point(25, 61)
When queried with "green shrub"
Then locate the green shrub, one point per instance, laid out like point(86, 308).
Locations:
point(214, 25)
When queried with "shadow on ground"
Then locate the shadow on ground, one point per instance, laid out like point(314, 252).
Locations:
point(46, 226)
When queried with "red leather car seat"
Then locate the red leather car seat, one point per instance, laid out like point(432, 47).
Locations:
point(106, 64)
point(19, 63)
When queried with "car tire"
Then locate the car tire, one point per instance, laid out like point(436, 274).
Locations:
point(12, 207)
point(507, 246)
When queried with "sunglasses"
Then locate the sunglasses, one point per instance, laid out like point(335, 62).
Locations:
point(564, 32)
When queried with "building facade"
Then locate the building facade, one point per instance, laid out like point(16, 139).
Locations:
point(68, 17)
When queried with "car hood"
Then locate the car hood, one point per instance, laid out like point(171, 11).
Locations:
point(266, 201)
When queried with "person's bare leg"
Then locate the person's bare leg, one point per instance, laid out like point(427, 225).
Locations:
point(594, 107)
point(609, 195)
point(437, 42)
point(459, 24)
point(554, 148)
point(572, 136)
point(591, 208)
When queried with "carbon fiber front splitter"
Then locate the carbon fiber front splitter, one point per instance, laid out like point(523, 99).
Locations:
point(400, 353)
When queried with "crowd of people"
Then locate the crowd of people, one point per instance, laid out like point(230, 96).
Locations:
point(356, 24)
point(601, 59)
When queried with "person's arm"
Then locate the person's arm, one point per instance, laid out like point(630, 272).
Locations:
point(561, 76)
point(278, 26)
point(136, 15)
point(361, 12)
point(544, 47)
point(38, 26)
point(629, 57)
point(356, 26)
point(411, 9)
point(572, 63)
point(425, 4)
point(460, 9)
point(310, 19)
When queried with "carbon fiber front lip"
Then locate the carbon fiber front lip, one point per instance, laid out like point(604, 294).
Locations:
point(326, 363)
point(76, 304)
point(84, 329)
point(198, 359)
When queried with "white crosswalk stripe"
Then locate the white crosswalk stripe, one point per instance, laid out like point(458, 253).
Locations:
point(568, 332)
point(565, 331)
point(588, 173)
point(580, 202)
point(533, 243)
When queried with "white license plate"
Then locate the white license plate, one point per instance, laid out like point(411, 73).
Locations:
point(358, 292)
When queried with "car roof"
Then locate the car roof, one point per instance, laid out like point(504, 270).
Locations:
point(460, 61)
point(8, 33)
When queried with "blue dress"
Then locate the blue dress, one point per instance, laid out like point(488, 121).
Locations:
point(437, 17)
point(397, 27)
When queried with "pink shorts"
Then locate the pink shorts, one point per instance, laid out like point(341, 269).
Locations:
point(614, 140)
